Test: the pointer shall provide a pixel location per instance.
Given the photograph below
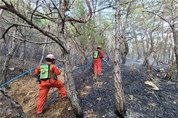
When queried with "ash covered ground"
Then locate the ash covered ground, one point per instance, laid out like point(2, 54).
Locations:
point(97, 98)
point(98, 101)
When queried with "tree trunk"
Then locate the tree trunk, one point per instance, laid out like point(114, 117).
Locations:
point(137, 47)
point(147, 55)
point(71, 91)
point(70, 84)
point(175, 36)
point(9, 55)
point(119, 94)
point(148, 69)
point(136, 42)
point(171, 71)
point(164, 50)
point(125, 52)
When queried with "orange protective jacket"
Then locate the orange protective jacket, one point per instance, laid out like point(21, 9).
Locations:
point(97, 63)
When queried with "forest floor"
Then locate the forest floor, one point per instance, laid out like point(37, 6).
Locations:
point(97, 98)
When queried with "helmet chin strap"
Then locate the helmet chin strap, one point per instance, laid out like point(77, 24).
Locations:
point(53, 62)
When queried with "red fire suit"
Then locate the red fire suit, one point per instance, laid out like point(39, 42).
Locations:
point(45, 85)
point(97, 63)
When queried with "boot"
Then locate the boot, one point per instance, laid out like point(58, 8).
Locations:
point(95, 76)
point(40, 115)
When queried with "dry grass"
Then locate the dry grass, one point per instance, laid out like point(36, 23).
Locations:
point(25, 91)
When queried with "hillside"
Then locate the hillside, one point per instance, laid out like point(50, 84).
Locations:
point(25, 92)
point(97, 97)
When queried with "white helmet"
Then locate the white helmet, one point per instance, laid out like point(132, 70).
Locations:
point(98, 47)
point(50, 56)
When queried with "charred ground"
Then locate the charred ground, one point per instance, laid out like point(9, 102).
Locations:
point(98, 100)
point(97, 97)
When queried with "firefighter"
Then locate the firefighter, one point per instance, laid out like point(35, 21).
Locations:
point(98, 56)
point(48, 73)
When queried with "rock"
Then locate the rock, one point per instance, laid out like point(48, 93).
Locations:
point(88, 87)
point(12, 69)
point(161, 70)
point(130, 97)
point(69, 108)
point(150, 83)
point(158, 75)
point(99, 99)
point(9, 107)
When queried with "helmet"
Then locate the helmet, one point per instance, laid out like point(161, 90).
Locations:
point(51, 56)
point(98, 47)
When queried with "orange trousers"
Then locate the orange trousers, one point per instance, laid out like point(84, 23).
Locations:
point(43, 92)
point(97, 66)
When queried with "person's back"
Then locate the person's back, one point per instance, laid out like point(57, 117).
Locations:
point(98, 55)
point(48, 73)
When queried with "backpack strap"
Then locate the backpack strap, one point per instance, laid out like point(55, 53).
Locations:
point(52, 74)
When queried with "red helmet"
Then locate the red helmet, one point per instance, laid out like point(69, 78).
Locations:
point(50, 56)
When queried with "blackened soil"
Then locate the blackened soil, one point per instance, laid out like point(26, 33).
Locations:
point(98, 101)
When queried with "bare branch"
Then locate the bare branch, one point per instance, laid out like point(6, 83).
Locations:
point(113, 6)
point(49, 42)
point(45, 16)
point(15, 25)
point(35, 10)
point(110, 6)
point(24, 25)
point(10, 8)
point(159, 16)
point(57, 9)
point(33, 42)
point(3, 36)
point(175, 18)
point(75, 28)
point(86, 18)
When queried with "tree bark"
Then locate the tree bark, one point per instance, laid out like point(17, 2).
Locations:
point(125, 52)
point(136, 42)
point(70, 84)
point(147, 55)
point(119, 94)
point(175, 35)
point(171, 71)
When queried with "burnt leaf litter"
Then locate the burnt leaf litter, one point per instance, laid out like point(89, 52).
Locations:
point(97, 97)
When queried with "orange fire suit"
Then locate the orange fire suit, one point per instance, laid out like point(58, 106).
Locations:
point(45, 85)
point(97, 63)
